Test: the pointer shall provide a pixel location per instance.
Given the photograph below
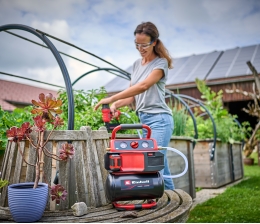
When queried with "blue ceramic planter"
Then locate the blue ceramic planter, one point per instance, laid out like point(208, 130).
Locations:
point(27, 204)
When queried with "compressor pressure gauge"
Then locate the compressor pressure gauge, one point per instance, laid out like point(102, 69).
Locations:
point(145, 144)
point(123, 145)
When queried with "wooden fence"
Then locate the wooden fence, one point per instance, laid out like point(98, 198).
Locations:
point(83, 176)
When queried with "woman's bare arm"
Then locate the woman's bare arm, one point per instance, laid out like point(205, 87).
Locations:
point(136, 89)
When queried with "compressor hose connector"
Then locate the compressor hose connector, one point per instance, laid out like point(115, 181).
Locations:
point(182, 155)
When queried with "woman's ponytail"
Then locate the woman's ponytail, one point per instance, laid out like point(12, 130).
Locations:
point(162, 52)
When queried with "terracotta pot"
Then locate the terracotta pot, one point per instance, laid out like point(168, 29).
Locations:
point(249, 161)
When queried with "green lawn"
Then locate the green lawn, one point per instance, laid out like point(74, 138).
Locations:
point(238, 204)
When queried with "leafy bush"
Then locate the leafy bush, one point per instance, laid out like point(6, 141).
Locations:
point(85, 115)
point(8, 120)
point(226, 126)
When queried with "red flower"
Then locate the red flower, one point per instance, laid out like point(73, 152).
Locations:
point(47, 107)
point(26, 127)
point(66, 151)
point(58, 121)
point(16, 134)
point(20, 133)
point(58, 192)
point(12, 134)
point(40, 123)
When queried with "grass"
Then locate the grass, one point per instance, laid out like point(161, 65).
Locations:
point(198, 189)
point(238, 204)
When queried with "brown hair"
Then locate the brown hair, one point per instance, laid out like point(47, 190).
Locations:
point(151, 30)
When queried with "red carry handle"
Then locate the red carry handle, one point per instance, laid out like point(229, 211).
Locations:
point(122, 207)
point(131, 126)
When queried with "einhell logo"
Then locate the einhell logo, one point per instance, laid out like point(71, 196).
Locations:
point(127, 182)
point(140, 182)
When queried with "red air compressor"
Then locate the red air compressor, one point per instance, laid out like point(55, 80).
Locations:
point(133, 166)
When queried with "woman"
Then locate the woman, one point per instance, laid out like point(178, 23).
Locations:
point(147, 88)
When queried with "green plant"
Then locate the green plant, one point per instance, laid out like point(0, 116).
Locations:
point(85, 115)
point(198, 189)
point(180, 118)
point(226, 127)
point(46, 111)
point(10, 119)
point(3, 183)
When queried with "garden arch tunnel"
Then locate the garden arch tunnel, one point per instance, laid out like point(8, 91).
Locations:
point(61, 64)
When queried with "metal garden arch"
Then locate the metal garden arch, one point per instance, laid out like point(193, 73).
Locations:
point(58, 59)
point(102, 69)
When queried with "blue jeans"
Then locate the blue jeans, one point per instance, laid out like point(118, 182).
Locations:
point(162, 126)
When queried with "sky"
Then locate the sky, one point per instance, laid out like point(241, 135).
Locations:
point(106, 28)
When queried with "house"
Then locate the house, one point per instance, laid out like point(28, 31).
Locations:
point(221, 70)
point(16, 95)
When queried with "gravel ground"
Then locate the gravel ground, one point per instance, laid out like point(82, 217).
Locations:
point(205, 194)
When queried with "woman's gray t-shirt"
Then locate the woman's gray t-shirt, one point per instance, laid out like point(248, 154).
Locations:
point(153, 99)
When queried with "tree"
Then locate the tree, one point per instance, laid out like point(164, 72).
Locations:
point(252, 109)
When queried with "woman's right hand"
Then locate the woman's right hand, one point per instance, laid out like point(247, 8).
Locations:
point(103, 101)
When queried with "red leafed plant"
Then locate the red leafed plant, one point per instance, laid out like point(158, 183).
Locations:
point(58, 192)
point(46, 111)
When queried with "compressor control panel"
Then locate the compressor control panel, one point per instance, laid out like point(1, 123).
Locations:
point(133, 144)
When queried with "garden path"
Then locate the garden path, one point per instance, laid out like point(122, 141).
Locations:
point(206, 194)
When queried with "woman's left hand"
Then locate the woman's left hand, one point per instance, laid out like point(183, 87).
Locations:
point(103, 101)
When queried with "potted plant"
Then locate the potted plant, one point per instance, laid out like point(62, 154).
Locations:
point(25, 199)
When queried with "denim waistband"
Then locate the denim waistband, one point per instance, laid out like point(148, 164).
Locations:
point(141, 112)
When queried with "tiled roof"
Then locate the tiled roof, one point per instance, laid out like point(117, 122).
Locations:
point(215, 65)
point(19, 94)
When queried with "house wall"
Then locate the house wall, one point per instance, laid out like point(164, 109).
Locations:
point(227, 97)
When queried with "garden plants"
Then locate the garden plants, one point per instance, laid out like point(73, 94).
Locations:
point(227, 128)
point(85, 115)
point(8, 120)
